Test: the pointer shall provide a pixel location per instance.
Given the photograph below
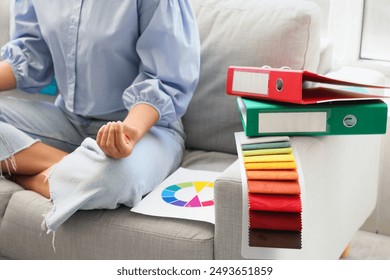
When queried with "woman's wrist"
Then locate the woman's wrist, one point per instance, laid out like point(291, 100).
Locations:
point(7, 78)
point(140, 119)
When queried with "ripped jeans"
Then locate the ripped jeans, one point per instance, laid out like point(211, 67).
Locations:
point(86, 178)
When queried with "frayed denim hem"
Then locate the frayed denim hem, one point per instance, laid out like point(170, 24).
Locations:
point(12, 141)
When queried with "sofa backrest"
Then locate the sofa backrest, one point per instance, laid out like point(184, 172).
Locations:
point(4, 21)
point(245, 33)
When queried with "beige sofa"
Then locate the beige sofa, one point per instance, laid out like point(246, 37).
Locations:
point(340, 186)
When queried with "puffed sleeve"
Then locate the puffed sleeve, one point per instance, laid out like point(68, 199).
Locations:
point(27, 52)
point(169, 51)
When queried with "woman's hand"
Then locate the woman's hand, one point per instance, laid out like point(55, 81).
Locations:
point(116, 139)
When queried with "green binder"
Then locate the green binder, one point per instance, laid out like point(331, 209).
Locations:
point(261, 118)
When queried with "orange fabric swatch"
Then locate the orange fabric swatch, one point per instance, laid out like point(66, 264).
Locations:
point(274, 187)
point(291, 174)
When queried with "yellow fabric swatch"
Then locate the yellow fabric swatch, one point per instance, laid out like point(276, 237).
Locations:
point(271, 165)
point(267, 152)
point(269, 158)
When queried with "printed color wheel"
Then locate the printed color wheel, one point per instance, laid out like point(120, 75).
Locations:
point(190, 194)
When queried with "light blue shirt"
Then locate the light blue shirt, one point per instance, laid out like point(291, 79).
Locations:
point(107, 55)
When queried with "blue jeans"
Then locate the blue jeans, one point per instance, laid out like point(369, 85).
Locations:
point(87, 178)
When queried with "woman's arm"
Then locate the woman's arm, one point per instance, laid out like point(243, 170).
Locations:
point(169, 52)
point(117, 139)
point(7, 78)
point(27, 52)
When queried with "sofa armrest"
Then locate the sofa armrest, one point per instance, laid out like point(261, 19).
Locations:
point(379, 221)
point(228, 214)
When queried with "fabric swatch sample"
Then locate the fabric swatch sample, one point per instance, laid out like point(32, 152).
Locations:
point(273, 202)
point(290, 174)
point(270, 165)
point(269, 158)
point(274, 187)
point(275, 220)
point(260, 152)
point(273, 145)
point(275, 238)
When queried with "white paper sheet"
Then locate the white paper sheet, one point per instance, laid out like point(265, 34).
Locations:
point(186, 194)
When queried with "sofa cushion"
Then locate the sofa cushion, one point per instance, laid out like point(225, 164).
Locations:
point(105, 234)
point(100, 234)
point(7, 189)
point(247, 33)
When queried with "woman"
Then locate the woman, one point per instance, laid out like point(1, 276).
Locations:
point(125, 70)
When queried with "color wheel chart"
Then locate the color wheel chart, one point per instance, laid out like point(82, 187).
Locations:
point(185, 194)
point(189, 194)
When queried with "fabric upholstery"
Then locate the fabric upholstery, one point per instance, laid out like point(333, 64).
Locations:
point(228, 216)
point(101, 234)
point(6, 191)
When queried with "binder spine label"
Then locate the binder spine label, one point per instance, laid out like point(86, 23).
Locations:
point(250, 82)
point(296, 122)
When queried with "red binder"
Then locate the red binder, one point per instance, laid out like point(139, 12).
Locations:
point(286, 85)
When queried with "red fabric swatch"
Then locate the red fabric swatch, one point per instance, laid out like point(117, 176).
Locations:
point(275, 220)
point(275, 202)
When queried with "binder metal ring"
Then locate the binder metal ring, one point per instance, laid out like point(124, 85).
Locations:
point(349, 121)
point(279, 84)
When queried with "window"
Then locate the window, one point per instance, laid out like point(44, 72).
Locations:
point(375, 41)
